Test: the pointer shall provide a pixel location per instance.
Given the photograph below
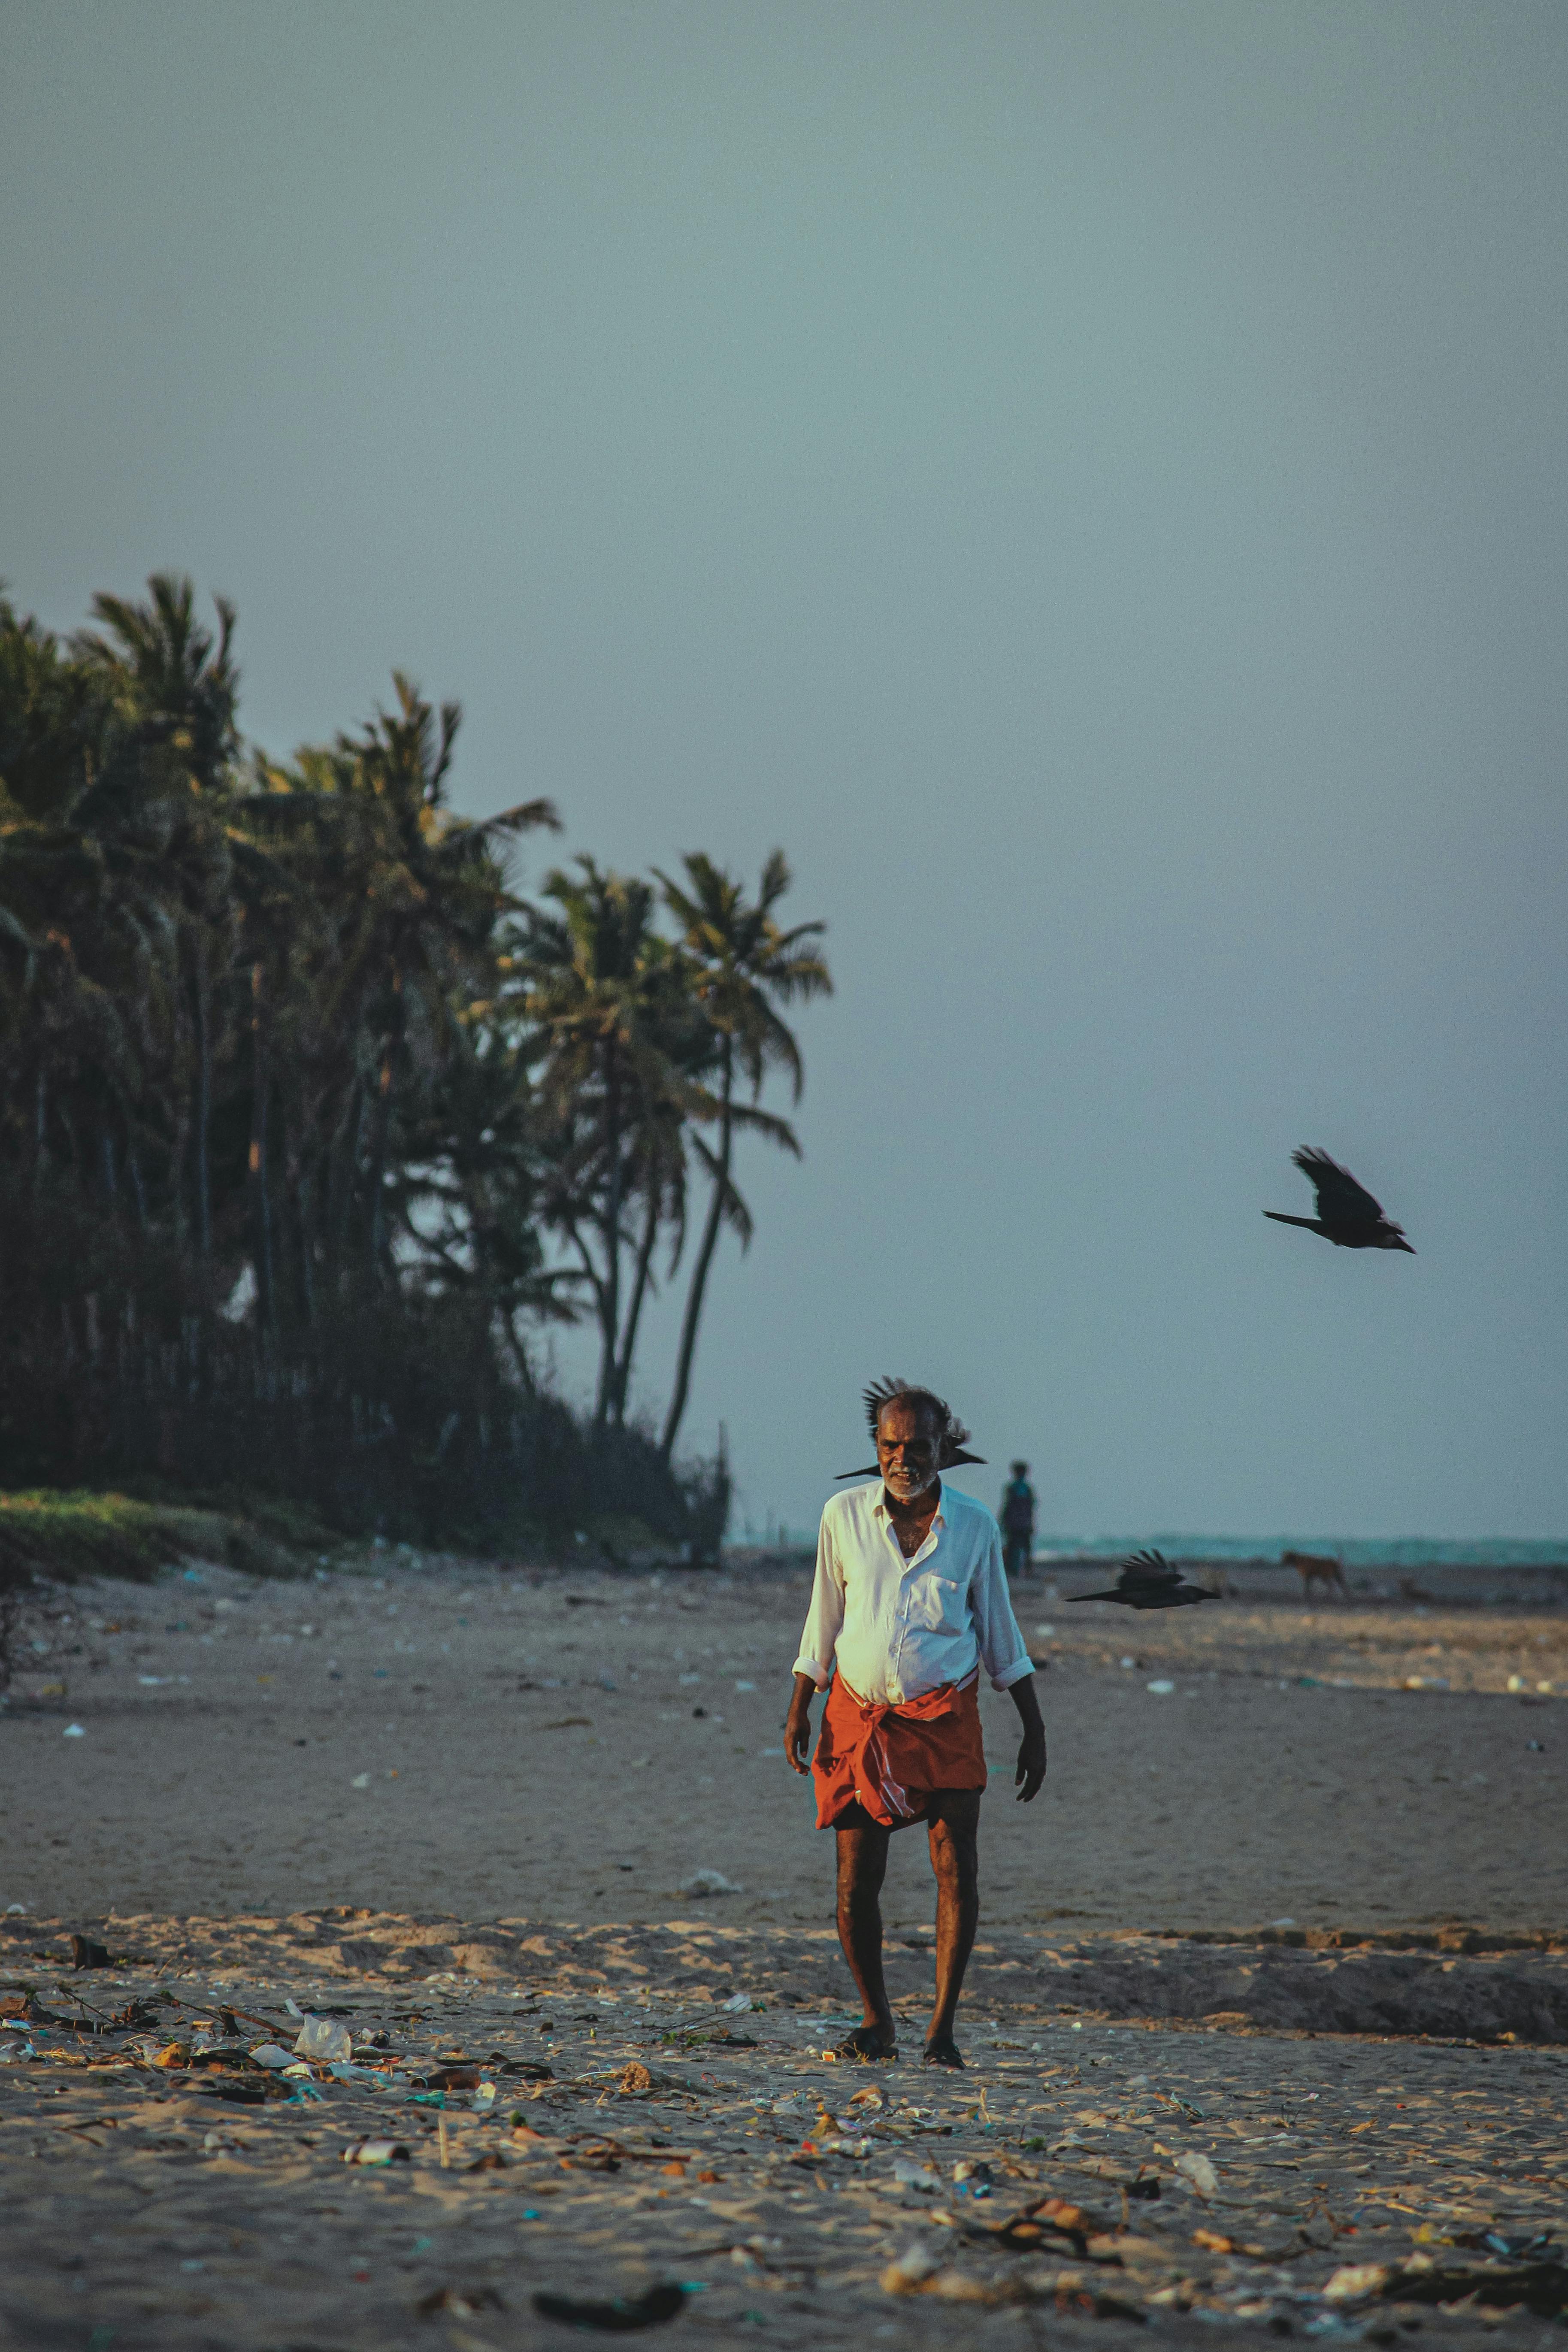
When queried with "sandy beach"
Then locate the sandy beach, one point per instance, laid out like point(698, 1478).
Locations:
point(488, 1742)
point(1293, 1904)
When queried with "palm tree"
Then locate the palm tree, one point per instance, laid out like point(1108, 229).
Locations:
point(470, 1187)
point(742, 965)
point(174, 677)
point(52, 719)
point(609, 1002)
point(434, 888)
point(656, 1176)
point(413, 896)
point(283, 1036)
point(175, 687)
point(115, 759)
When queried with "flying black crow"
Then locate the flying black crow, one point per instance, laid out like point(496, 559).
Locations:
point(1149, 1582)
point(1347, 1214)
point(954, 1437)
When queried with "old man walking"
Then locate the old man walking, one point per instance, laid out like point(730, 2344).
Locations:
point(910, 1603)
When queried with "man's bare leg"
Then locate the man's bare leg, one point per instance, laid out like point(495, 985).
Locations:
point(953, 1832)
point(862, 1866)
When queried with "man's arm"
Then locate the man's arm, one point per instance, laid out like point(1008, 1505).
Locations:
point(1006, 1657)
point(1029, 1778)
point(824, 1620)
point(797, 1723)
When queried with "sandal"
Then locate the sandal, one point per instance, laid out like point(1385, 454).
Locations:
point(866, 2047)
point(942, 2054)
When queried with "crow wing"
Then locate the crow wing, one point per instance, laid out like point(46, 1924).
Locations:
point(1341, 1199)
point(954, 1439)
point(1149, 1568)
point(878, 1394)
point(1143, 1573)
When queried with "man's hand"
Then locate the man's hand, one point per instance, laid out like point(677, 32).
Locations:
point(797, 1724)
point(1030, 1777)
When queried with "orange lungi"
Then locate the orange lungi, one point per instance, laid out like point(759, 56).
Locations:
point(891, 1760)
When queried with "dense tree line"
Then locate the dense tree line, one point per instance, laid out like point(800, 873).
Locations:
point(314, 1122)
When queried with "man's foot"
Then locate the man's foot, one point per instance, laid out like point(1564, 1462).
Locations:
point(942, 2049)
point(866, 2043)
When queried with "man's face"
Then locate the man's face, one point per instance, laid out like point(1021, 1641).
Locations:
point(906, 1444)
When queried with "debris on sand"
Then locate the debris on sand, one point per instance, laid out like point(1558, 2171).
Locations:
point(704, 2185)
point(376, 2151)
point(462, 2302)
point(1195, 2169)
point(323, 2038)
point(617, 2317)
point(1539, 2288)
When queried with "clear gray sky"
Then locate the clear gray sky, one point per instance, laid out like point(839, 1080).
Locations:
point(1087, 479)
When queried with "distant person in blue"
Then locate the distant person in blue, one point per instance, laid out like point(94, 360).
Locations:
point(1018, 1521)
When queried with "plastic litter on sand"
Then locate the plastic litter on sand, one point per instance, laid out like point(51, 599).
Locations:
point(377, 2151)
point(324, 2037)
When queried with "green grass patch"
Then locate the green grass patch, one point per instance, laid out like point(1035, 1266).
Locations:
point(64, 1536)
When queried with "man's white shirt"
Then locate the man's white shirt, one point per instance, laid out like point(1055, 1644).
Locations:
point(897, 1628)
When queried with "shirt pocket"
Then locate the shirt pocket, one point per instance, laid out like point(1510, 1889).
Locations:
point(940, 1604)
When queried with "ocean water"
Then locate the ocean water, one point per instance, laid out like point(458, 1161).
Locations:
point(1356, 1551)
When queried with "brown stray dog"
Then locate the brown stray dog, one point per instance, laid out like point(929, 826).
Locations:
point(1315, 1570)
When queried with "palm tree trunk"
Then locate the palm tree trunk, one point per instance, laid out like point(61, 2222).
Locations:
point(203, 1110)
point(693, 1315)
point(260, 1203)
point(610, 1227)
point(40, 1126)
point(178, 1100)
point(137, 1186)
point(383, 1127)
point(634, 1313)
point(302, 1192)
point(519, 1356)
point(343, 1171)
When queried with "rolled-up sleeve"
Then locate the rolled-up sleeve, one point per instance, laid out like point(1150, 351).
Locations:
point(1002, 1651)
point(825, 1618)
